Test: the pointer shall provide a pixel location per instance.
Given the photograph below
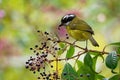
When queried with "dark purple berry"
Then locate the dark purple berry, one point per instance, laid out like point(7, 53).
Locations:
point(88, 75)
point(36, 46)
point(31, 48)
point(64, 73)
point(38, 31)
point(81, 75)
point(27, 67)
point(51, 66)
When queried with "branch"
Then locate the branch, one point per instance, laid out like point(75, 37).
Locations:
point(103, 52)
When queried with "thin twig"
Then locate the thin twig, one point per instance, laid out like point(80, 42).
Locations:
point(103, 52)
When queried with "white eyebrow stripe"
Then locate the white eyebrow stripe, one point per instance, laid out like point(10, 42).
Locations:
point(66, 16)
point(72, 15)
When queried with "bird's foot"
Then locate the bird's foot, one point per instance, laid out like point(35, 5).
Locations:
point(86, 49)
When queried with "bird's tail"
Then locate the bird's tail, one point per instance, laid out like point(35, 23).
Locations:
point(94, 42)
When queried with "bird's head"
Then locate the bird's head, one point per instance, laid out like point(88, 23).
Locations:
point(67, 19)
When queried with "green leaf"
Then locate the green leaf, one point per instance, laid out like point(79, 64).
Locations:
point(69, 73)
point(60, 52)
point(116, 44)
point(100, 77)
point(62, 45)
point(85, 70)
point(118, 50)
point(79, 63)
point(115, 77)
point(94, 61)
point(97, 54)
point(102, 57)
point(112, 60)
point(88, 60)
point(70, 51)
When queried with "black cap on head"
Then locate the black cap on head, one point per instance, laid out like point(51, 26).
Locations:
point(66, 19)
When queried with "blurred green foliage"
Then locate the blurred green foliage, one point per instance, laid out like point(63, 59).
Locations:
point(20, 19)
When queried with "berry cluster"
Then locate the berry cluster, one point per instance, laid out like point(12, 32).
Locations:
point(46, 53)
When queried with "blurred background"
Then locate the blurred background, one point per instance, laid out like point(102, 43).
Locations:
point(20, 20)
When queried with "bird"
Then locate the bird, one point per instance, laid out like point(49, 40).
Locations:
point(78, 29)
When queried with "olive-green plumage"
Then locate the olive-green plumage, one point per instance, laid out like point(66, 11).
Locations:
point(80, 30)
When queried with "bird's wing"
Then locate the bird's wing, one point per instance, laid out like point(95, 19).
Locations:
point(81, 25)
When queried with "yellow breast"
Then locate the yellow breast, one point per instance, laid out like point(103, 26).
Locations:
point(78, 34)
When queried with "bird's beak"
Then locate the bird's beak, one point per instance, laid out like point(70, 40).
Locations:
point(60, 26)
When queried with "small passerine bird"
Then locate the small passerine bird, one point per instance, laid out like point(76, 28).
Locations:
point(78, 29)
